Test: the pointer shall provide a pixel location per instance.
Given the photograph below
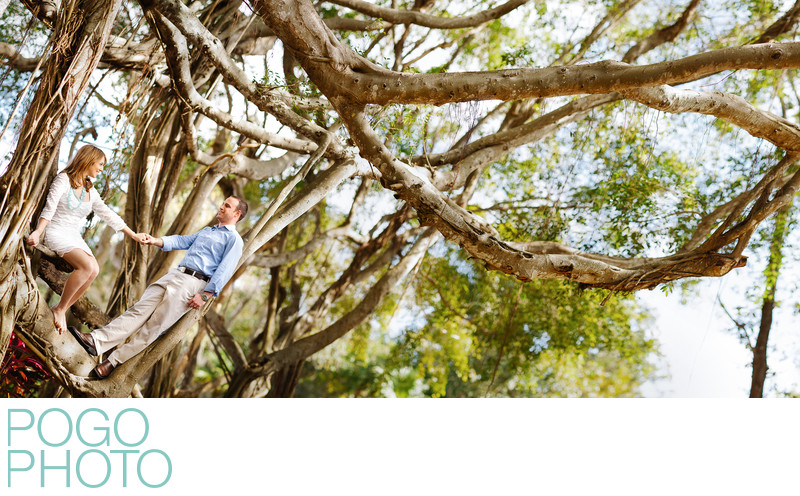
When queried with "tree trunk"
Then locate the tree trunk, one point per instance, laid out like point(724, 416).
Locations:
point(284, 381)
point(772, 271)
point(162, 377)
point(760, 351)
point(80, 34)
point(147, 162)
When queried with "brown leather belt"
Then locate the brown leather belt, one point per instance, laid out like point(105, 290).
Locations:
point(195, 273)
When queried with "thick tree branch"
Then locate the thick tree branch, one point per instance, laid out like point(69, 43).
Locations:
point(732, 108)
point(786, 22)
point(178, 60)
point(397, 16)
point(266, 100)
point(384, 87)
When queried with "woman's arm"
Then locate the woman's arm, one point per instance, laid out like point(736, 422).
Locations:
point(109, 216)
point(59, 186)
point(138, 237)
point(33, 239)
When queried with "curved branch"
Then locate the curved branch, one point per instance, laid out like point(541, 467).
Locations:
point(526, 133)
point(732, 108)
point(478, 237)
point(16, 60)
point(235, 162)
point(384, 87)
point(177, 57)
point(732, 208)
point(663, 35)
point(180, 17)
point(397, 16)
point(786, 22)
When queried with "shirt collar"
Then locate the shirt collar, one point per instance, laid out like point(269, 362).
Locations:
point(230, 227)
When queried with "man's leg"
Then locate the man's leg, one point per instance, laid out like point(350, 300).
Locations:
point(118, 330)
point(178, 290)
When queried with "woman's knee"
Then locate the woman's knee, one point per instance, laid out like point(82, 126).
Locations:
point(84, 263)
point(94, 269)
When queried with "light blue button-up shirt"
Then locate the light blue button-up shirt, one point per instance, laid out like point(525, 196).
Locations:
point(214, 251)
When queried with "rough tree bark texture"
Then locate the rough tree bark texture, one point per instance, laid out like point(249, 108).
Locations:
point(81, 30)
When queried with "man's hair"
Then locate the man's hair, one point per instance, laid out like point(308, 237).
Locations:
point(242, 207)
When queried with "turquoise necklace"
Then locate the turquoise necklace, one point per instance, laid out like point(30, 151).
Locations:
point(75, 195)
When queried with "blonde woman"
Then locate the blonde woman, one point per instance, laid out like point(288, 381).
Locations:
point(69, 201)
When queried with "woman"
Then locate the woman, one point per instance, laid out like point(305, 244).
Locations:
point(69, 201)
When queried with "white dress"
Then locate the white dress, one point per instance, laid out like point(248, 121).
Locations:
point(67, 213)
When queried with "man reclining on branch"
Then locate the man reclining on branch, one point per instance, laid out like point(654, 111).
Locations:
point(211, 258)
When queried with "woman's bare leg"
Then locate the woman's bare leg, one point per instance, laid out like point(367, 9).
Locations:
point(78, 282)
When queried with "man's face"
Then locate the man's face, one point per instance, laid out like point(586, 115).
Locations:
point(227, 212)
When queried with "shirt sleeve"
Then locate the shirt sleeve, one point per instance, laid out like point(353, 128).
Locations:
point(233, 253)
point(58, 187)
point(178, 242)
point(105, 213)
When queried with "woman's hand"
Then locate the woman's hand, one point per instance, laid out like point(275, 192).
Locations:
point(33, 239)
point(152, 241)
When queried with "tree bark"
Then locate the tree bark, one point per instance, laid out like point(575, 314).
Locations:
point(81, 30)
point(772, 272)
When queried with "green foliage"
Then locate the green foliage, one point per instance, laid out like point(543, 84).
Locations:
point(547, 338)
point(631, 182)
point(499, 46)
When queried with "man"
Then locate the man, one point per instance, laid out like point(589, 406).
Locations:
point(211, 258)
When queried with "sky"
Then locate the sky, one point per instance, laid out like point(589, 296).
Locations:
point(703, 357)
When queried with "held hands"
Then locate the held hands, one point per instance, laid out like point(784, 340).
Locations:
point(140, 237)
point(149, 240)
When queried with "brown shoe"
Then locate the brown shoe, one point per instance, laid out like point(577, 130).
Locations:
point(103, 369)
point(85, 340)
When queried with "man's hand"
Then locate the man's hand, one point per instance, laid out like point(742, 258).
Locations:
point(197, 301)
point(151, 240)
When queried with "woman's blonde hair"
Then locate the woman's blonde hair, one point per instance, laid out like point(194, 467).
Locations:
point(77, 169)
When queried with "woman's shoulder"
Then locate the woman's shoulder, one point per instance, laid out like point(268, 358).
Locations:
point(60, 180)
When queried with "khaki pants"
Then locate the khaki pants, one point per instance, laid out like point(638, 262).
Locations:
point(162, 304)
